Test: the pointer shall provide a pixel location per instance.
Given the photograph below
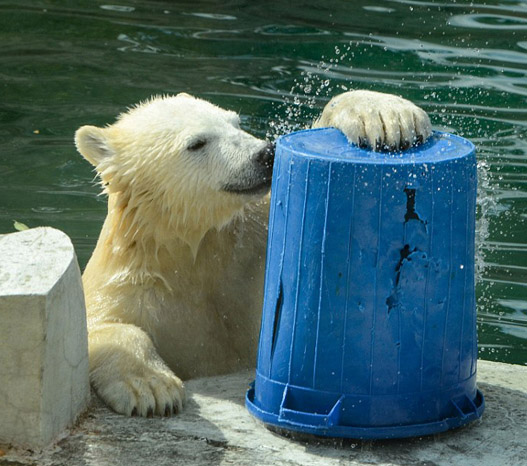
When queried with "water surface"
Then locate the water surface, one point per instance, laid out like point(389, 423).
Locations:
point(64, 64)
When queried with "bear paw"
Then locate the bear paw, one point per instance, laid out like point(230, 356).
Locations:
point(375, 120)
point(129, 375)
point(160, 394)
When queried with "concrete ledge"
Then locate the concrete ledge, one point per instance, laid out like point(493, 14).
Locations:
point(215, 429)
point(44, 381)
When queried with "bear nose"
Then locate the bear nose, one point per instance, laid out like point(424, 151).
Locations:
point(266, 156)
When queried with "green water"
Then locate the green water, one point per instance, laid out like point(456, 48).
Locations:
point(64, 64)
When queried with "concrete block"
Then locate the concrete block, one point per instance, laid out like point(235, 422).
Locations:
point(44, 381)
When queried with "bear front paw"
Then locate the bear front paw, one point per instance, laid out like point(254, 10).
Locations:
point(375, 120)
point(158, 394)
point(133, 382)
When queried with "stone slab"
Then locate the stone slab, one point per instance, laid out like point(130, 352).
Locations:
point(44, 381)
point(216, 429)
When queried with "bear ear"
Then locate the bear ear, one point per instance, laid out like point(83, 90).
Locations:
point(93, 144)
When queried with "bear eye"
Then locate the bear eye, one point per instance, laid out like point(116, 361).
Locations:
point(197, 144)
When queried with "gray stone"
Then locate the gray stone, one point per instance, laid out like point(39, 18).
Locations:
point(216, 429)
point(44, 382)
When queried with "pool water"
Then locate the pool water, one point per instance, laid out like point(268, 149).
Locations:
point(64, 64)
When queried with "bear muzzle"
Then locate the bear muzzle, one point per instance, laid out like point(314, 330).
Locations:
point(265, 157)
point(259, 182)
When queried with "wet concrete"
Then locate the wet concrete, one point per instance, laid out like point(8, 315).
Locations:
point(216, 429)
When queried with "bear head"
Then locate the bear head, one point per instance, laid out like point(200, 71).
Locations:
point(177, 165)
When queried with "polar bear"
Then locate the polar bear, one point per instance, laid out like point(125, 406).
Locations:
point(174, 287)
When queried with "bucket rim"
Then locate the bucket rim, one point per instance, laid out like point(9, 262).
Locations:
point(366, 433)
point(440, 147)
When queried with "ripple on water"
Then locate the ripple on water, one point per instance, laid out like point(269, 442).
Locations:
point(378, 9)
point(488, 21)
point(290, 30)
point(214, 16)
point(135, 45)
point(118, 8)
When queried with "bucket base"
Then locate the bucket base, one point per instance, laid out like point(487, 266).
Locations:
point(278, 422)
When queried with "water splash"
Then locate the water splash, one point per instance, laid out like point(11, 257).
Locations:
point(485, 204)
point(309, 92)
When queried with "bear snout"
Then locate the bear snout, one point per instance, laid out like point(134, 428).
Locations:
point(266, 156)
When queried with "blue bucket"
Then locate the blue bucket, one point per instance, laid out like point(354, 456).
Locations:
point(369, 316)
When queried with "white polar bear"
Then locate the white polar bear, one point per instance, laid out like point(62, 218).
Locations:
point(175, 283)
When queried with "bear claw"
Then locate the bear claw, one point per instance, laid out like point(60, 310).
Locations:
point(381, 122)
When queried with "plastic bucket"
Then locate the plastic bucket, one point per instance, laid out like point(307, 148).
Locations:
point(369, 316)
